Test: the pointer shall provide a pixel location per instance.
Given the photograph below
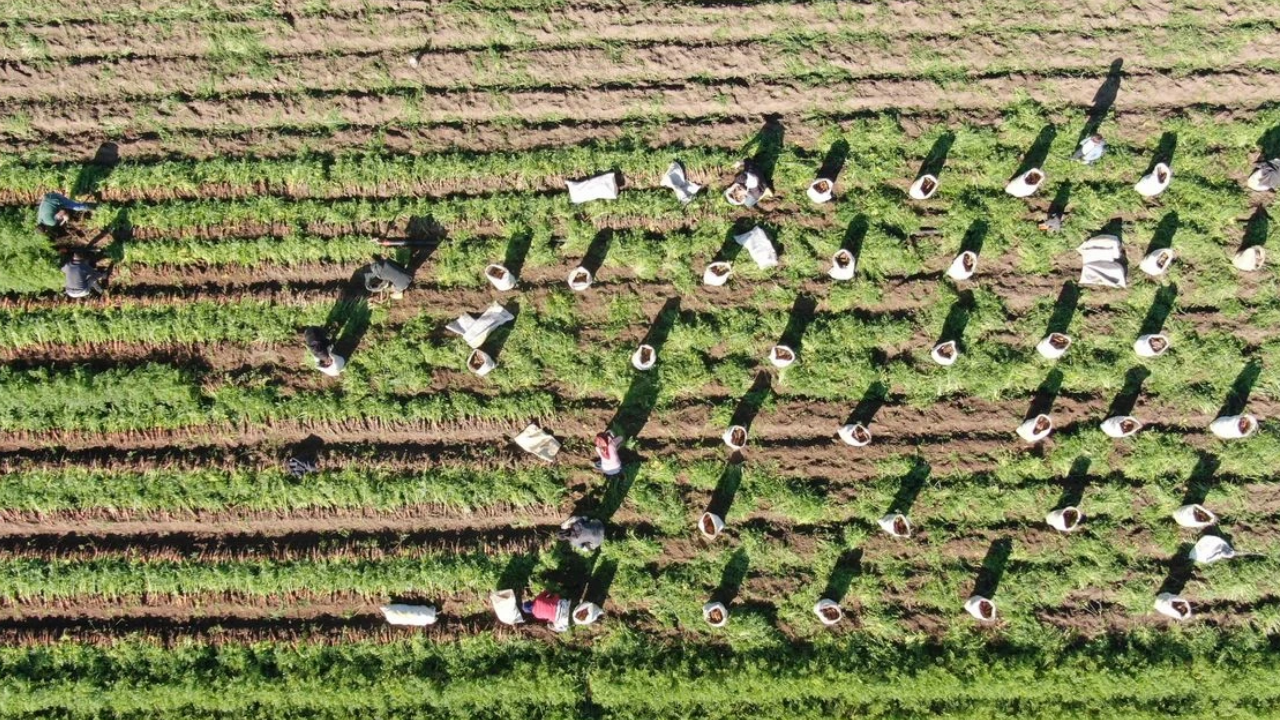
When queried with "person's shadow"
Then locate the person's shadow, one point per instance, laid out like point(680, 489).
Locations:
point(833, 163)
point(350, 316)
point(1102, 101)
point(1038, 152)
point(1163, 236)
point(993, 568)
point(91, 175)
point(642, 395)
point(423, 237)
point(1256, 229)
point(936, 160)
point(766, 147)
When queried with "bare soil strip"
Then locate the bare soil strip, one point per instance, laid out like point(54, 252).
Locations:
point(614, 104)
point(661, 62)
point(411, 30)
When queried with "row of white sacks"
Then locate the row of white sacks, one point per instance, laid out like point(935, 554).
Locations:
point(823, 189)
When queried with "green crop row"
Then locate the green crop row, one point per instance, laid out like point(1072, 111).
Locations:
point(849, 675)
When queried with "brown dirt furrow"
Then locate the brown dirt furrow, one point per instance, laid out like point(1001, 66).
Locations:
point(615, 104)
point(415, 138)
point(412, 29)
point(594, 66)
point(956, 426)
point(165, 545)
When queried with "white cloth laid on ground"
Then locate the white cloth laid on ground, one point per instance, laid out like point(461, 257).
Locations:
point(600, 187)
point(538, 442)
point(418, 615)
point(676, 179)
point(757, 243)
point(1100, 255)
point(474, 330)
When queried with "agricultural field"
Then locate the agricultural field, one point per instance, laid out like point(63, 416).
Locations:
point(158, 560)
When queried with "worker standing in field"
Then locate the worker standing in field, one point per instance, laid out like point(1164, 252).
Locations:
point(1090, 150)
point(83, 278)
point(55, 211)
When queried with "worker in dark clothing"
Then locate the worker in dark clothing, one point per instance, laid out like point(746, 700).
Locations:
point(582, 533)
point(749, 186)
point(55, 210)
point(82, 277)
point(322, 351)
point(386, 275)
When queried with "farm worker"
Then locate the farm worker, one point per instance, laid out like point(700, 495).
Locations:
point(549, 608)
point(610, 462)
point(55, 210)
point(748, 186)
point(582, 533)
point(1091, 148)
point(1052, 223)
point(1266, 175)
point(82, 278)
point(322, 350)
point(384, 274)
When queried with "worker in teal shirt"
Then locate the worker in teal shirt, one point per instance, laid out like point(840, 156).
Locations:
point(55, 210)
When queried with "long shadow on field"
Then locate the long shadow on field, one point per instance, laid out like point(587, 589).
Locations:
point(518, 571)
point(611, 496)
point(1102, 101)
point(1064, 309)
point(1181, 569)
point(910, 486)
point(1045, 394)
point(802, 311)
point(1061, 199)
point(958, 319)
point(730, 250)
point(642, 395)
point(571, 571)
point(1201, 480)
point(597, 250)
point(834, 162)
point(349, 318)
point(1127, 398)
point(1159, 311)
point(731, 579)
point(1269, 143)
point(936, 160)
point(601, 581)
point(423, 236)
point(993, 567)
point(1165, 150)
point(1163, 236)
point(855, 235)
point(497, 339)
point(848, 568)
point(975, 237)
point(517, 251)
point(754, 399)
point(766, 146)
point(92, 174)
point(1256, 229)
point(726, 489)
point(872, 400)
point(1074, 483)
point(1238, 397)
point(1038, 151)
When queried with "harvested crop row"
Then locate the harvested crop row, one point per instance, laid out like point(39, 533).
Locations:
point(628, 103)
point(722, 60)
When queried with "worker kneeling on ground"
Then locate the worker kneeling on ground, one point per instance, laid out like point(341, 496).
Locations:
point(385, 275)
point(56, 211)
point(83, 278)
point(321, 349)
